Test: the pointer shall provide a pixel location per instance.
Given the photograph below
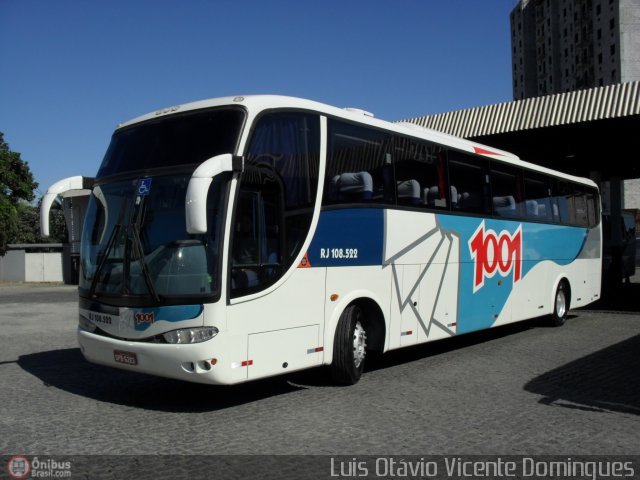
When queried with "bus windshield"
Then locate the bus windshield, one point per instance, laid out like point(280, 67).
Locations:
point(135, 242)
point(135, 247)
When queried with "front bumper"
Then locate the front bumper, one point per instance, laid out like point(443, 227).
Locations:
point(199, 362)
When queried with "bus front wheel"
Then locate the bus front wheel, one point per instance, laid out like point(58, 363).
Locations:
point(560, 305)
point(349, 347)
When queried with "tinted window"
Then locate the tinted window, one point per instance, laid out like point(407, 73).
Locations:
point(181, 139)
point(420, 173)
point(257, 260)
point(370, 166)
point(593, 206)
point(537, 199)
point(359, 165)
point(575, 204)
point(561, 196)
point(276, 199)
point(506, 192)
point(468, 184)
point(581, 214)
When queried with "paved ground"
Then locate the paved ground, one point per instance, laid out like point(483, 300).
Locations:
point(523, 389)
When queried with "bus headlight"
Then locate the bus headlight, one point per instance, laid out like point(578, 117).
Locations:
point(86, 324)
point(190, 335)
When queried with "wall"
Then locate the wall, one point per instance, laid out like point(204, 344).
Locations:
point(630, 39)
point(632, 193)
point(12, 266)
point(19, 266)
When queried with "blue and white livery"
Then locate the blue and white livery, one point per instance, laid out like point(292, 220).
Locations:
point(238, 238)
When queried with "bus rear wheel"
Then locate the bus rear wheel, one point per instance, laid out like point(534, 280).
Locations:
point(560, 305)
point(349, 347)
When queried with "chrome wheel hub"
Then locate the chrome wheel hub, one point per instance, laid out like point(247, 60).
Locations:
point(561, 304)
point(359, 344)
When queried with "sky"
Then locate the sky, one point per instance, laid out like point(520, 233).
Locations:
point(71, 70)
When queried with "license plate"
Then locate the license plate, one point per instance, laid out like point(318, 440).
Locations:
point(128, 358)
point(103, 318)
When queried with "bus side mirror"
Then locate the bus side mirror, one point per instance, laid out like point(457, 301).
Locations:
point(198, 188)
point(60, 187)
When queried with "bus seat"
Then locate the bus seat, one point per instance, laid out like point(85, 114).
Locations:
point(243, 278)
point(270, 248)
point(432, 198)
point(409, 191)
point(532, 208)
point(542, 210)
point(504, 205)
point(353, 186)
point(471, 202)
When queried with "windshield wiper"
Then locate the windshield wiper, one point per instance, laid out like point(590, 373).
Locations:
point(137, 245)
point(135, 220)
point(103, 260)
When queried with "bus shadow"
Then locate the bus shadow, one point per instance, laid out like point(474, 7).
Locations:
point(68, 370)
point(621, 298)
point(374, 362)
point(605, 381)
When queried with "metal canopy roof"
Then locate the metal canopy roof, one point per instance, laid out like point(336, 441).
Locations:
point(580, 132)
point(612, 101)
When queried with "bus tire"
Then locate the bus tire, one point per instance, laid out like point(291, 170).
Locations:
point(349, 347)
point(560, 305)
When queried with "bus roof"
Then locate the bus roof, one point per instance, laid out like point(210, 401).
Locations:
point(258, 103)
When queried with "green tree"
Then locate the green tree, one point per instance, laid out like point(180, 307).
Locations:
point(16, 190)
point(28, 224)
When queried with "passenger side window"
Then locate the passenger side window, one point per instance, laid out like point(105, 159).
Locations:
point(593, 206)
point(256, 253)
point(561, 196)
point(537, 198)
point(580, 207)
point(359, 168)
point(275, 203)
point(468, 184)
point(420, 174)
point(506, 192)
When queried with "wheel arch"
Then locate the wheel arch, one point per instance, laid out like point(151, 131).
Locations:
point(562, 278)
point(376, 325)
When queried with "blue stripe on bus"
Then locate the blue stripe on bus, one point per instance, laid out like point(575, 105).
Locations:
point(348, 237)
point(143, 317)
point(479, 309)
point(169, 313)
point(558, 243)
point(355, 237)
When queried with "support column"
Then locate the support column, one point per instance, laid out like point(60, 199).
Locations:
point(615, 240)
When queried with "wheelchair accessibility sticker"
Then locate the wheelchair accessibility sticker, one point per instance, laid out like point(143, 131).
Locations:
point(144, 187)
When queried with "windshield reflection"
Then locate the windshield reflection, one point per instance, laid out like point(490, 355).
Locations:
point(135, 241)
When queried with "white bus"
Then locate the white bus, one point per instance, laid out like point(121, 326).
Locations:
point(238, 238)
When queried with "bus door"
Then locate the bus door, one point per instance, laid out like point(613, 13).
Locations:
point(276, 310)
